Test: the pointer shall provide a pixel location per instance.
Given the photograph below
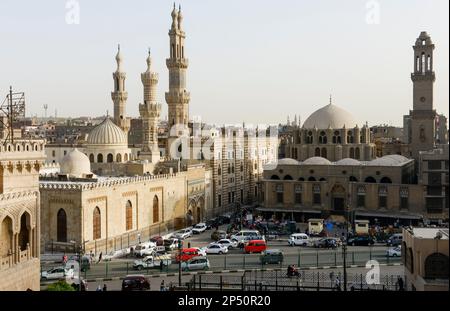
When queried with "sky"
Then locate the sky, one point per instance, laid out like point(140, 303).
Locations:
point(256, 61)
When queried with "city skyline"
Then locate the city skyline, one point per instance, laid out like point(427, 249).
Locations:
point(242, 71)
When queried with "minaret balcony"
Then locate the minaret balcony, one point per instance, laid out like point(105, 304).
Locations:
point(178, 97)
point(177, 63)
point(423, 76)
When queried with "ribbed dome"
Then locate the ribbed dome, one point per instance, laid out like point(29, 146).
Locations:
point(348, 161)
point(75, 164)
point(107, 133)
point(389, 160)
point(316, 161)
point(287, 161)
point(330, 116)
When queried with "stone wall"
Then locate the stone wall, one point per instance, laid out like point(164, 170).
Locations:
point(21, 277)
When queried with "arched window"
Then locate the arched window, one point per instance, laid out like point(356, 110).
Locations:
point(322, 138)
point(309, 138)
point(61, 226)
point(336, 138)
point(275, 177)
point(99, 158)
point(288, 177)
point(429, 63)
point(370, 179)
point(352, 153)
point(219, 171)
point(322, 179)
point(385, 180)
point(357, 154)
point(311, 178)
point(91, 158)
point(118, 158)
point(155, 209)
point(436, 266)
point(125, 157)
point(350, 138)
point(353, 179)
point(128, 216)
point(301, 179)
point(24, 234)
point(423, 63)
point(6, 234)
point(317, 152)
point(324, 152)
point(97, 224)
point(110, 158)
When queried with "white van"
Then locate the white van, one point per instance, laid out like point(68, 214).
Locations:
point(299, 239)
point(244, 235)
point(144, 248)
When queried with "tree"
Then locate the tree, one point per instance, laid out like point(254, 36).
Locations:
point(60, 286)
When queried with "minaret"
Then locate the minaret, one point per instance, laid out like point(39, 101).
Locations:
point(423, 115)
point(177, 97)
point(150, 112)
point(120, 96)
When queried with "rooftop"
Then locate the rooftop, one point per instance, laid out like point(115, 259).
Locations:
point(430, 233)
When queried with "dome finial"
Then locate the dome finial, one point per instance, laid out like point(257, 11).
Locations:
point(119, 58)
point(149, 60)
point(331, 99)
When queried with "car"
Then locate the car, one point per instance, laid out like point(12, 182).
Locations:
point(201, 251)
point(395, 239)
point(272, 256)
point(152, 262)
point(224, 219)
point(218, 235)
point(183, 234)
point(114, 254)
point(135, 282)
point(57, 273)
point(255, 246)
point(360, 241)
point(187, 253)
point(212, 223)
point(394, 252)
point(228, 243)
point(171, 244)
point(144, 249)
point(199, 228)
point(216, 248)
point(299, 239)
point(196, 263)
point(243, 234)
point(158, 240)
point(326, 243)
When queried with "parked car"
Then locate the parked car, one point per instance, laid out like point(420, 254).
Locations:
point(135, 282)
point(114, 254)
point(199, 228)
point(171, 244)
point(196, 263)
point(218, 235)
point(152, 262)
point(212, 223)
point(255, 246)
point(158, 240)
point(215, 248)
point(326, 243)
point(394, 252)
point(57, 273)
point(247, 239)
point(228, 243)
point(145, 248)
point(395, 239)
point(299, 239)
point(272, 256)
point(188, 253)
point(241, 235)
point(183, 234)
point(360, 241)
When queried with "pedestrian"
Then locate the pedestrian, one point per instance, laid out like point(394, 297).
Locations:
point(64, 258)
point(99, 288)
point(162, 286)
point(338, 284)
point(105, 288)
point(91, 256)
point(100, 257)
point(400, 284)
point(189, 244)
point(161, 266)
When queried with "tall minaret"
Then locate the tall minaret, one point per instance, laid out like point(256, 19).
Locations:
point(120, 96)
point(150, 112)
point(177, 97)
point(423, 115)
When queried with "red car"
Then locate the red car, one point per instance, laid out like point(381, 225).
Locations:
point(255, 246)
point(187, 253)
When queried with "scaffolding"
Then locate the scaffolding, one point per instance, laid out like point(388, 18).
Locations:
point(11, 109)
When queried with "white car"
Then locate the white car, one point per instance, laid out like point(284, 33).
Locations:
point(199, 228)
point(215, 248)
point(116, 254)
point(183, 234)
point(394, 252)
point(57, 273)
point(228, 243)
point(298, 239)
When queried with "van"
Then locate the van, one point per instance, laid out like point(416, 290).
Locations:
point(298, 239)
point(315, 226)
point(144, 248)
point(244, 234)
point(395, 239)
point(255, 246)
point(188, 253)
point(272, 256)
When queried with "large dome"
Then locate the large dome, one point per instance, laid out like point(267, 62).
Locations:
point(330, 116)
point(75, 164)
point(107, 133)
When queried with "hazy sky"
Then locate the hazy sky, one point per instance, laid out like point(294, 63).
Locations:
point(249, 60)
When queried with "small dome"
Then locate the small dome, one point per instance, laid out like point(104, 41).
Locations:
point(389, 160)
point(348, 161)
point(107, 133)
point(75, 164)
point(316, 161)
point(287, 161)
point(330, 116)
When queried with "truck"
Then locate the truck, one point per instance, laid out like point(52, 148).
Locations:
point(152, 261)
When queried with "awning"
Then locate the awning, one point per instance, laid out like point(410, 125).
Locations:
point(389, 215)
point(284, 210)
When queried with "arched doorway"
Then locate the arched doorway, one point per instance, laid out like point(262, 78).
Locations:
point(155, 209)
point(25, 228)
point(338, 198)
point(99, 158)
point(97, 224)
point(61, 226)
point(6, 234)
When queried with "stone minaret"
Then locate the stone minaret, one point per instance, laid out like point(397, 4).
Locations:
point(150, 112)
point(119, 96)
point(423, 115)
point(177, 97)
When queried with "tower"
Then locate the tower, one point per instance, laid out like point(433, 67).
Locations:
point(120, 96)
point(150, 112)
point(177, 97)
point(423, 115)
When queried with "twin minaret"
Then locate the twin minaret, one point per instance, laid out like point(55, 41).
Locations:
point(177, 97)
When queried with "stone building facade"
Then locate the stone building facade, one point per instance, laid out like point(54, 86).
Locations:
point(20, 162)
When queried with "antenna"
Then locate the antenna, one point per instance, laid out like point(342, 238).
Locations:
point(11, 109)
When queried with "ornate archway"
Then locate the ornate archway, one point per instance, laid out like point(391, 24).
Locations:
point(338, 198)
